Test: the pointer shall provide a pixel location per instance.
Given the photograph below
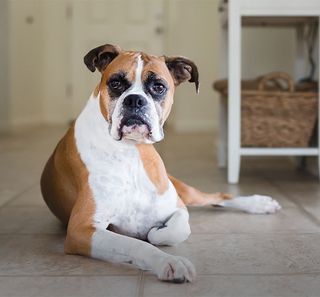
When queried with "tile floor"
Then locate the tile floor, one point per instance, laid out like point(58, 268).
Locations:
point(235, 254)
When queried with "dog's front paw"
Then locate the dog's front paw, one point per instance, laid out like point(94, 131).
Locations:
point(169, 234)
point(258, 204)
point(176, 270)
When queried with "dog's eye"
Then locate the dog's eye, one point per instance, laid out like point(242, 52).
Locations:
point(115, 84)
point(158, 88)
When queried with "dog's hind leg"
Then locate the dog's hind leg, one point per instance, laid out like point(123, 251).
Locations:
point(256, 204)
point(193, 197)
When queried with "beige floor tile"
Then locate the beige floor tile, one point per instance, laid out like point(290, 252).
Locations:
point(6, 195)
point(218, 220)
point(31, 197)
point(10, 188)
point(93, 286)
point(314, 211)
point(23, 154)
point(307, 196)
point(36, 255)
point(237, 286)
point(29, 220)
point(252, 253)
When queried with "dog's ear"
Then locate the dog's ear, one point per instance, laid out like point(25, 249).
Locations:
point(183, 69)
point(101, 56)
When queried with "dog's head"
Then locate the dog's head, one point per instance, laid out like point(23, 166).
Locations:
point(136, 90)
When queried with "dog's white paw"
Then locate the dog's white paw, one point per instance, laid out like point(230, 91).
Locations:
point(173, 232)
point(176, 269)
point(257, 204)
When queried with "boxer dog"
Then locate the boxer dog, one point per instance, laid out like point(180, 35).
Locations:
point(106, 181)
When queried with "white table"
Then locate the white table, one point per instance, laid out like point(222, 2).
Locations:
point(299, 12)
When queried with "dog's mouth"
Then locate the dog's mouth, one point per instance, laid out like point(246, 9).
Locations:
point(135, 128)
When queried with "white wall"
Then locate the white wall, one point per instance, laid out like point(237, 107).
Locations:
point(267, 49)
point(57, 64)
point(35, 62)
point(192, 32)
point(26, 62)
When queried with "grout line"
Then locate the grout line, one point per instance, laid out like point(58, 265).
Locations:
point(261, 274)
point(66, 275)
point(278, 233)
point(44, 207)
point(300, 207)
point(55, 234)
point(291, 232)
point(18, 195)
point(141, 277)
point(140, 288)
point(311, 217)
point(257, 233)
point(36, 235)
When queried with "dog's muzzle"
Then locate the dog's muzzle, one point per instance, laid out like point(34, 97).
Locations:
point(134, 124)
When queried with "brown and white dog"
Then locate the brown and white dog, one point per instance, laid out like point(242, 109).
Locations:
point(106, 181)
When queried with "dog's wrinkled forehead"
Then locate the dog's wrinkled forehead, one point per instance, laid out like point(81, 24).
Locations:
point(127, 63)
point(109, 58)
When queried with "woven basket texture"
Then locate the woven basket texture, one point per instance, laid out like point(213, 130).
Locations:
point(273, 114)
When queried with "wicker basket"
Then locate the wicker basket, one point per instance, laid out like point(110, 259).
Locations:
point(273, 114)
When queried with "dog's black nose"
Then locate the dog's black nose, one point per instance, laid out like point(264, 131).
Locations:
point(135, 101)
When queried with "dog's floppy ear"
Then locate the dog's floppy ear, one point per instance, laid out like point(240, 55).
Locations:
point(183, 69)
point(101, 56)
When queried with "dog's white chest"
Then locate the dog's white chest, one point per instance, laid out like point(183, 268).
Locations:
point(124, 195)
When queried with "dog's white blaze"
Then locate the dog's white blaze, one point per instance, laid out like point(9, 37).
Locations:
point(137, 88)
point(123, 193)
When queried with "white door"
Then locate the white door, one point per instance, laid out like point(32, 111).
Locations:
point(131, 24)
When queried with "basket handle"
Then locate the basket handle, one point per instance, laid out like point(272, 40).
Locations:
point(275, 77)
